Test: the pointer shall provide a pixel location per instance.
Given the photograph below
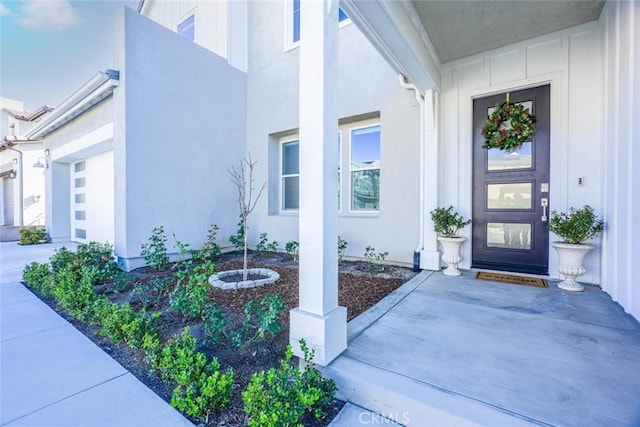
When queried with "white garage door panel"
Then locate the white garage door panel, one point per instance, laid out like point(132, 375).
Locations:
point(92, 202)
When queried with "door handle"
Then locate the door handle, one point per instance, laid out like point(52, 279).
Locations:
point(544, 202)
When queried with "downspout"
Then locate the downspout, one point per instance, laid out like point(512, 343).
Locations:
point(416, 253)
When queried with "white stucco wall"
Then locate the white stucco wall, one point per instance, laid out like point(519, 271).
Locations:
point(180, 115)
point(33, 194)
point(32, 179)
point(620, 23)
point(570, 61)
point(366, 85)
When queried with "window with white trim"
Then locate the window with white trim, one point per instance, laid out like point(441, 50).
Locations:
point(365, 168)
point(290, 173)
point(293, 22)
point(187, 28)
point(362, 174)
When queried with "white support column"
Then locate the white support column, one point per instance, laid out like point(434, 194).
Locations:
point(430, 257)
point(319, 319)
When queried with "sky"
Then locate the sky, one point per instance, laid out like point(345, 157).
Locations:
point(50, 48)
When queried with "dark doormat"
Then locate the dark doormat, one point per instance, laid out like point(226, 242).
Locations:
point(512, 279)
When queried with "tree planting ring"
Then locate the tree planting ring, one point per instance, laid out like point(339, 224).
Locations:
point(266, 277)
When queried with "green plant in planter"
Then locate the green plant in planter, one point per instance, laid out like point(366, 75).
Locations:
point(447, 222)
point(576, 226)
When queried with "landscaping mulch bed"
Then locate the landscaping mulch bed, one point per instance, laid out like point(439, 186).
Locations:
point(361, 285)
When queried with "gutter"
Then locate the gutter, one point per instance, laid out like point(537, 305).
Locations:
point(416, 253)
point(91, 93)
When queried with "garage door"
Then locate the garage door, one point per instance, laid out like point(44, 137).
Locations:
point(92, 215)
point(7, 201)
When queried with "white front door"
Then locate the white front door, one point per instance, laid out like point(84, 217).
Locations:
point(92, 215)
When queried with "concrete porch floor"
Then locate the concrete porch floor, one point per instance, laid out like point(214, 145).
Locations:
point(460, 351)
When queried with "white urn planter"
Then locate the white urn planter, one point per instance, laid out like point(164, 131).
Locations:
point(451, 254)
point(570, 264)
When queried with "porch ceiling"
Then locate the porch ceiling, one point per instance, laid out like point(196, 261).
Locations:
point(462, 28)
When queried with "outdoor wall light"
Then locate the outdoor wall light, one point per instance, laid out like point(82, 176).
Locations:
point(39, 164)
point(46, 152)
point(12, 174)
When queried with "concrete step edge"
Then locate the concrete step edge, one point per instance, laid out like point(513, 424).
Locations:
point(411, 402)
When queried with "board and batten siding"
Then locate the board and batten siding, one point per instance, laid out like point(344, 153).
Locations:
point(620, 22)
point(570, 61)
point(210, 20)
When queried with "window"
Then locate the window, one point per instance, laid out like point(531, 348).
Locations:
point(290, 175)
point(363, 173)
point(296, 21)
point(365, 168)
point(81, 233)
point(294, 37)
point(187, 28)
point(80, 166)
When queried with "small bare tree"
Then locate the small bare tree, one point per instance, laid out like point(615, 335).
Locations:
point(243, 180)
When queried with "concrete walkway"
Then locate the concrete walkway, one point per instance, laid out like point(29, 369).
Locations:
point(445, 351)
point(53, 375)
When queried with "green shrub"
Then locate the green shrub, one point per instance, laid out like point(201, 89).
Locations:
point(342, 247)
point(264, 247)
point(214, 323)
point(75, 296)
point(576, 226)
point(447, 222)
point(190, 294)
point(33, 236)
point(176, 357)
point(280, 397)
point(147, 292)
point(62, 258)
point(375, 259)
point(155, 252)
point(120, 323)
point(291, 248)
point(237, 239)
point(204, 390)
point(260, 318)
point(162, 285)
point(152, 350)
point(210, 249)
point(40, 277)
point(100, 257)
point(201, 386)
point(100, 308)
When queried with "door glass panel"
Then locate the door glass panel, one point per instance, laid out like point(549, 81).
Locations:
point(518, 159)
point(81, 233)
point(509, 196)
point(80, 166)
point(503, 160)
point(509, 235)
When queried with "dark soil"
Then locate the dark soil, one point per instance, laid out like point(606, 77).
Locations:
point(361, 285)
